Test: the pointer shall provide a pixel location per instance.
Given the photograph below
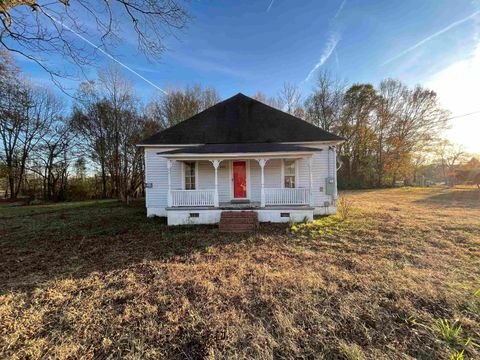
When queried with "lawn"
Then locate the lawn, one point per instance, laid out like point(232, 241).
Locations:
point(397, 279)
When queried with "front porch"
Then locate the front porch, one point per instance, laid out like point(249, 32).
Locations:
point(272, 197)
point(273, 180)
point(254, 205)
point(203, 206)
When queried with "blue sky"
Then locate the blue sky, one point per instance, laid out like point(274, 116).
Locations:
point(247, 46)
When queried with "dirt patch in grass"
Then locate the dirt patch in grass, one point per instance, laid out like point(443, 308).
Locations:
point(99, 280)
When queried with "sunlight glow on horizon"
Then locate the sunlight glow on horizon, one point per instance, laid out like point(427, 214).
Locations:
point(458, 89)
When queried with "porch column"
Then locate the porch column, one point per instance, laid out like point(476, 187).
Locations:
point(262, 163)
point(169, 195)
point(216, 164)
point(310, 179)
point(335, 190)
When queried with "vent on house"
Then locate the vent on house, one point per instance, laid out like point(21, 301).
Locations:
point(285, 215)
point(194, 215)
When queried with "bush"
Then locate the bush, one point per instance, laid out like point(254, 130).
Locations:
point(344, 208)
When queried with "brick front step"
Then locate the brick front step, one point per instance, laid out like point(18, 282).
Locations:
point(239, 214)
point(238, 221)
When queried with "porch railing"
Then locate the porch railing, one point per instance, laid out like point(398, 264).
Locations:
point(287, 196)
point(192, 197)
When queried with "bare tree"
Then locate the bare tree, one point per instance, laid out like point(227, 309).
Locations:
point(419, 122)
point(106, 117)
point(389, 108)
point(53, 157)
point(324, 107)
point(387, 131)
point(449, 155)
point(13, 107)
point(209, 97)
point(91, 123)
point(355, 126)
point(273, 102)
point(33, 132)
point(37, 30)
point(26, 112)
point(299, 112)
point(26, 115)
point(289, 96)
point(117, 91)
point(180, 104)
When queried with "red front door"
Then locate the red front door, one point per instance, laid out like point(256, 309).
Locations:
point(239, 179)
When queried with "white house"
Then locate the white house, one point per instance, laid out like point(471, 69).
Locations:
point(239, 155)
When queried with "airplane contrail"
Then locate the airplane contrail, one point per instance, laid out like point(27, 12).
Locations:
point(327, 51)
point(105, 53)
point(269, 6)
point(428, 38)
point(342, 5)
point(333, 39)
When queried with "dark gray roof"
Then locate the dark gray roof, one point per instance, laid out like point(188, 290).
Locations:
point(239, 120)
point(239, 148)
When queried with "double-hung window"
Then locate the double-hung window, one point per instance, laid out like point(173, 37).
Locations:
point(289, 173)
point(190, 175)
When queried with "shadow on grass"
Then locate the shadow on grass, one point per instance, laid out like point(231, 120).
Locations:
point(11, 212)
point(459, 198)
point(72, 241)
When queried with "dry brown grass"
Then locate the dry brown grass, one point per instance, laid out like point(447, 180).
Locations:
point(99, 280)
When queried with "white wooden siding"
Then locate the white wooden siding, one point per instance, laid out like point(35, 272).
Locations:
point(273, 173)
point(255, 181)
point(206, 175)
point(156, 173)
point(224, 182)
point(319, 174)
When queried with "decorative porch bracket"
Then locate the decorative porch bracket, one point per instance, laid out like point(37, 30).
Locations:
point(216, 164)
point(262, 163)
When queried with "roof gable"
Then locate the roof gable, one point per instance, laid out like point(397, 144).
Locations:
point(240, 119)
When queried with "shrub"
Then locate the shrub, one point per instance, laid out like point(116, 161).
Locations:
point(344, 208)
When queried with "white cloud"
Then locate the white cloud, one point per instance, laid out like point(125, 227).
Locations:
point(457, 87)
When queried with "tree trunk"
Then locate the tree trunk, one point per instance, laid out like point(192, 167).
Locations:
point(11, 185)
point(104, 181)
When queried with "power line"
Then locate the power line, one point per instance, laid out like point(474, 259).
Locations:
point(105, 53)
point(459, 116)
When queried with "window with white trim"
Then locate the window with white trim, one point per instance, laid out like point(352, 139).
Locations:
point(289, 173)
point(190, 175)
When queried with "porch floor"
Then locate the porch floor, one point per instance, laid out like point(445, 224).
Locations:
point(253, 205)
